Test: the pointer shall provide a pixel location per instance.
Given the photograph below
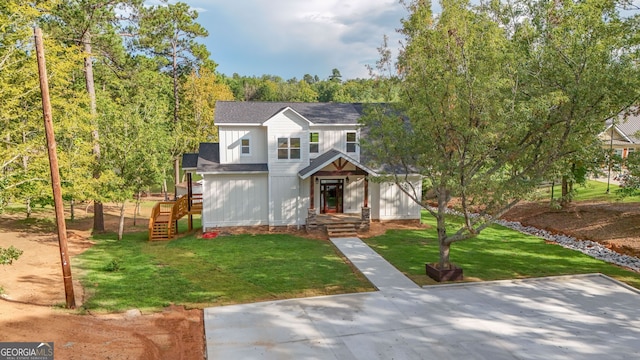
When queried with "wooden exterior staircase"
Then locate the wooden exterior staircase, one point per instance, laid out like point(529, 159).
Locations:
point(164, 217)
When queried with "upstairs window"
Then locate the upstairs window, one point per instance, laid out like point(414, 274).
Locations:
point(351, 142)
point(245, 147)
point(314, 142)
point(288, 148)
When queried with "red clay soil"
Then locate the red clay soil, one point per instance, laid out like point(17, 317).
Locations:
point(615, 225)
point(32, 305)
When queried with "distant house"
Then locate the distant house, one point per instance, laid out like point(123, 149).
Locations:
point(284, 164)
point(622, 134)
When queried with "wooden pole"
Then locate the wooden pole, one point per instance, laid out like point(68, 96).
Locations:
point(55, 176)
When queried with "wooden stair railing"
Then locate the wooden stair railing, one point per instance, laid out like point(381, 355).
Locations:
point(165, 214)
point(181, 207)
point(161, 221)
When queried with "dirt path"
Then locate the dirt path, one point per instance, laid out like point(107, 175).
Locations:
point(32, 305)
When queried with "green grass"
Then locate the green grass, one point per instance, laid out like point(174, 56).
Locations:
point(497, 253)
point(592, 191)
point(208, 272)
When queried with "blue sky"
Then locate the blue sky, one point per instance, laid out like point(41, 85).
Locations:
point(290, 38)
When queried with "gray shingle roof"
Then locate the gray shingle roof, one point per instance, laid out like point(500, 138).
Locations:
point(189, 161)
point(253, 112)
point(629, 126)
point(209, 162)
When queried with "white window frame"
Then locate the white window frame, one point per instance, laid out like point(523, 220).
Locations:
point(312, 143)
point(354, 142)
point(247, 146)
point(289, 148)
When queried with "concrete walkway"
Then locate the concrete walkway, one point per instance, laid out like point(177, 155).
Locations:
point(378, 271)
point(572, 317)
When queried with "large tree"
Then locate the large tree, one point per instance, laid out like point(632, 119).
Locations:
point(199, 92)
point(23, 160)
point(135, 136)
point(169, 32)
point(472, 116)
point(583, 53)
point(95, 27)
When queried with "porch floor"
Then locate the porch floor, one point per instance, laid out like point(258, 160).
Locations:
point(323, 219)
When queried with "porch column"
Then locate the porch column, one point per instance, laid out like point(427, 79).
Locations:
point(313, 191)
point(366, 191)
point(366, 211)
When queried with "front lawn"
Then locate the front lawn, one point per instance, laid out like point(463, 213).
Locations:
point(135, 273)
point(497, 253)
point(591, 191)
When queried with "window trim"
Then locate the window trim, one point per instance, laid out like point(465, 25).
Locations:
point(248, 146)
point(289, 148)
point(316, 143)
point(354, 142)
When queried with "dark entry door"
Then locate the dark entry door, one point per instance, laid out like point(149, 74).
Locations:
point(331, 196)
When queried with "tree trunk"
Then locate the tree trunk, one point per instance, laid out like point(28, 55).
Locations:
point(444, 247)
point(164, 189)
point(98, 212)
point(121, 224)
point(176, 170)
point(565, 191)
point(137, 208)
point(176, 106)
point(28, 203)
point(72, 209)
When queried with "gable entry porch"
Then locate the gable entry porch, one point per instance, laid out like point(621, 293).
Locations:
point(338, 194)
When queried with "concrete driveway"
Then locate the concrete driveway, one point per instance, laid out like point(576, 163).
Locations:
point(571, 317)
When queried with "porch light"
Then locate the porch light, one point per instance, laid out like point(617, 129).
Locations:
point(317, 180)
point(348, 180)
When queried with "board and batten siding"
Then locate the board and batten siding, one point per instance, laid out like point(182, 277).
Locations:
point(388, 202)
point(288, 125)
point(353, 197)
point(235, 200)
point(286, 205)
point(230, 138)
point(335, 137)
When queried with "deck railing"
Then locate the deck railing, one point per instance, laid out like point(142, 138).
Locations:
point(169, 212)
point(164, 211)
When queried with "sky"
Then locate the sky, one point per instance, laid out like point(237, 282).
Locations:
point(291, 38)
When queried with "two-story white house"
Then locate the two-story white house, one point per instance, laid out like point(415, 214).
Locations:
point(282, 164)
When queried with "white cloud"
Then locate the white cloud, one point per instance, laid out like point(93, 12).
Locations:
point(296, 36)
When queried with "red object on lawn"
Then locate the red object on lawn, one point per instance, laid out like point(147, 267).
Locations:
point(210, 235)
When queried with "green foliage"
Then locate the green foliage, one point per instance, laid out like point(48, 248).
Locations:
point(201, 272)
point(9, 255)
point(113, 266)
point(199, 93)
point(496, 99)
point(630, 181)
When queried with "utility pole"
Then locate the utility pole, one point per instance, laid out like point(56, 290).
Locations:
point(55, 176)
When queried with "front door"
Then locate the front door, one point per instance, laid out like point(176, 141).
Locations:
point(331, 191)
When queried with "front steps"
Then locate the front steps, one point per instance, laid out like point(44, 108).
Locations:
point(341, 230)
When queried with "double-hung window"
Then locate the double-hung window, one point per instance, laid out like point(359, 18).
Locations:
point(288, 148)
point(314, 142)
point(245, 147)
point(351, 142)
